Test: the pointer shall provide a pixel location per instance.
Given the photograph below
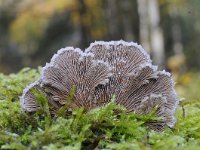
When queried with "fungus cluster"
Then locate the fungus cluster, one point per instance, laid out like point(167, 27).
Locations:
point(119, 68)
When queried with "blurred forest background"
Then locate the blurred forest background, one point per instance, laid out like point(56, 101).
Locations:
point(32, 30)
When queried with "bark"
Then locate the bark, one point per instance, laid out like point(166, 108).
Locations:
point(151, 34)
point(143, 24)
point(176, 63)
point(156, 33)
point(83, 28)
point(176, 32)
point(111, 17)
point(127, 9)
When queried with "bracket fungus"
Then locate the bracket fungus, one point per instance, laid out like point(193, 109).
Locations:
point(119, 68)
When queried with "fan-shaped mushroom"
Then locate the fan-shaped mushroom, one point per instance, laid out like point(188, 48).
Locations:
point(105, 69)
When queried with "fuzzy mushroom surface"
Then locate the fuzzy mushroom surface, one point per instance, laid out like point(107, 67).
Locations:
point(104, 69)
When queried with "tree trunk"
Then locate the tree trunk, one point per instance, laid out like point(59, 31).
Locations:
point(151, 34)
point(156, 33)
point(143, 24)
point(176, 31)
point(176, 63)
point(83, 28)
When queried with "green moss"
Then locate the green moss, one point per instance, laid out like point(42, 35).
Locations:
point(101, 128)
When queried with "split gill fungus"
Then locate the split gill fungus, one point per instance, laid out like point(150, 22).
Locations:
point(119, 68)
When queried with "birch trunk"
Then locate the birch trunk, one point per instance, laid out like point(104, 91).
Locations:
point(151, 34)
point(156, 33)
point(144, 24)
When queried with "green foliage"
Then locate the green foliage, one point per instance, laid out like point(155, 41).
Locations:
point(40, 12)
point(12, 86)
point(62, 111)
point(108, 127)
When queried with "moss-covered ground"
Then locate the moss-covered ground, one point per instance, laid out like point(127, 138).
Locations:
point(101, 128)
